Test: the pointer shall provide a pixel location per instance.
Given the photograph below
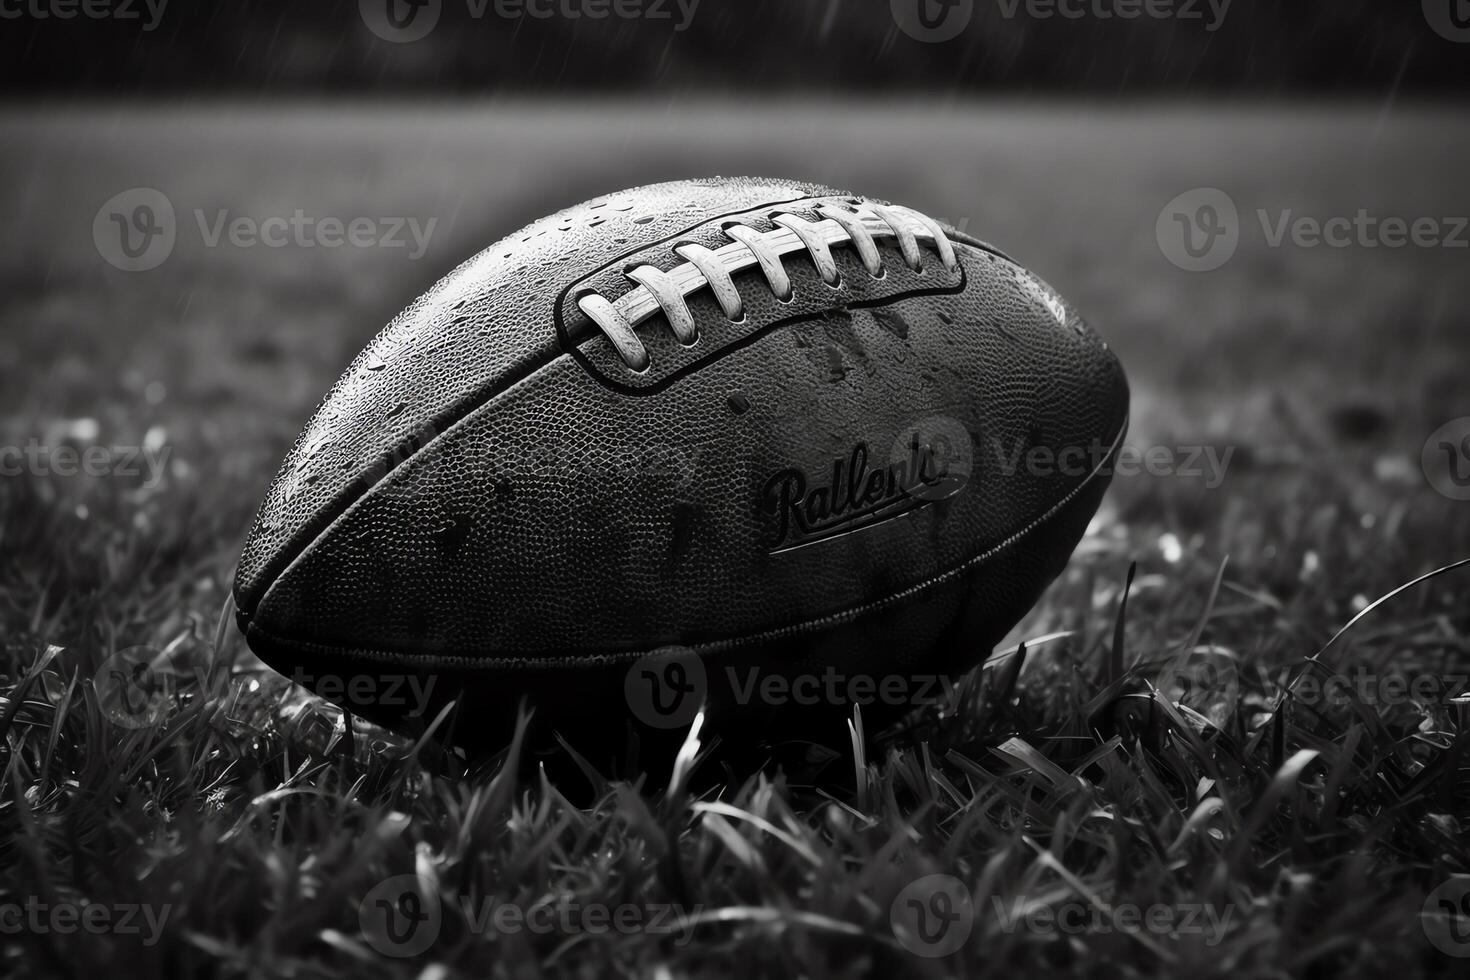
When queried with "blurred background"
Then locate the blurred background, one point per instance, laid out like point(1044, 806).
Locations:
point(1097, 49)
point(1260, 205)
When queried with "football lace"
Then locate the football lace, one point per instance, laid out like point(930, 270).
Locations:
point(657, 291)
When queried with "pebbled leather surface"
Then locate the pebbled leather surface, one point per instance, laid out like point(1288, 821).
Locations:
point(487, 322)
point(483, 490)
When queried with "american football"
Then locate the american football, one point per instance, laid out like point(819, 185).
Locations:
point(757, 430)
point(409, 572)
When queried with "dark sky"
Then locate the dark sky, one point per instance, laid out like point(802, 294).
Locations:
point(1094, 48)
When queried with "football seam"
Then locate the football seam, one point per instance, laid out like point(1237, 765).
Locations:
point(299, 544)
point(513, 663)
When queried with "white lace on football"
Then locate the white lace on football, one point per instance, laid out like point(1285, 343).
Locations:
point(668, 292)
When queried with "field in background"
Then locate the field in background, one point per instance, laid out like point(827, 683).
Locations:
point(1317, 357)
point(1322, 370)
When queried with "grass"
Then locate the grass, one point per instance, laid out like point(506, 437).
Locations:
point(1158, 743)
